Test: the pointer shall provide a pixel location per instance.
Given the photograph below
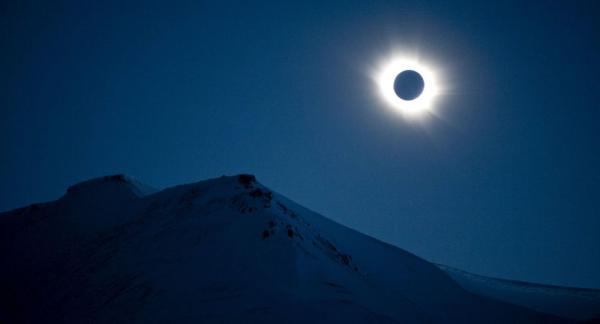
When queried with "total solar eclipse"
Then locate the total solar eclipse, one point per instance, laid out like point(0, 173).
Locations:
point(407, 85)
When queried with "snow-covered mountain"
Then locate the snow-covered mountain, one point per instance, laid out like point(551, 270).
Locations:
point(226, 250)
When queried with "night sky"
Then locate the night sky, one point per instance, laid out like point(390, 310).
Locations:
point(504, 181)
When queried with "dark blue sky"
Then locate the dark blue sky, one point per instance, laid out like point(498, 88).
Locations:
point(505, 182)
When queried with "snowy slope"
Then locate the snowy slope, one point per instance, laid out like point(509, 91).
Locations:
point(222, 250)
point(567, 302)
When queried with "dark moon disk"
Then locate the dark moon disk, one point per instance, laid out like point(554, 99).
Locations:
point(409, 85)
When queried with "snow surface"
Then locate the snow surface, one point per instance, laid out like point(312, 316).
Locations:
point(567, 302)
point(224, 250)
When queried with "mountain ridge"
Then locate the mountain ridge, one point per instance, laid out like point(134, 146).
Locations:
point(219, 250)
